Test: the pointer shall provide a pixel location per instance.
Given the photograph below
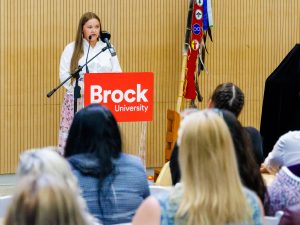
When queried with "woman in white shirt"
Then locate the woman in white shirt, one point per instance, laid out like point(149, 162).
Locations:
point(86, 46)
point(285, 152)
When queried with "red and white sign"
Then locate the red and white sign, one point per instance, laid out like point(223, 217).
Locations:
point(129, 96)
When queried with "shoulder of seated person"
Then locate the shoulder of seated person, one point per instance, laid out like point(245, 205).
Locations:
point(251, 129)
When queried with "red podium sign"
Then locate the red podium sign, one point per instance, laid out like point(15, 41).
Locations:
point(129, 96)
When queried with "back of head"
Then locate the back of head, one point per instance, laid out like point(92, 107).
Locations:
point(248, 168)
point(46, 200)
point(94, 130)
point(228, 96)
point(210, 177)
point(94, 133)
point(46, 161)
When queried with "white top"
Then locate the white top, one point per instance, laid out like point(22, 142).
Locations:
point(102, 63)
point(286, 152)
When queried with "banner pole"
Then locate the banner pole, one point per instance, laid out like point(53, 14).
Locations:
point(181, 84)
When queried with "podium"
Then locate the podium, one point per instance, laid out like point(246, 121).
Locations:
point(129, 96)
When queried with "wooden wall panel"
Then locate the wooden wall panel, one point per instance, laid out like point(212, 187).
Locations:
point(250, 40)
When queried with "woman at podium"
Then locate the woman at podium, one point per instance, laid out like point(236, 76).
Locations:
point(88, 43)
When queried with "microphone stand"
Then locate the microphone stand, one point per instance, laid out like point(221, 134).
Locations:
point(75, 74)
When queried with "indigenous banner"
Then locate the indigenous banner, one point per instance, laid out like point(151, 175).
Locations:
point(199, 22)
point(129, 96)
point(193, 51)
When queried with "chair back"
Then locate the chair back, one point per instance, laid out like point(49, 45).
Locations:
point(164, 177)
point(4, 204)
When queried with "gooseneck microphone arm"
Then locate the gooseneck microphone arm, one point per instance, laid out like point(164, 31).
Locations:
point(87, 55)
point(75, 74)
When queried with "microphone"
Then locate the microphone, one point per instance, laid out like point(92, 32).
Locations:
point(87, 55)
point(105, 36)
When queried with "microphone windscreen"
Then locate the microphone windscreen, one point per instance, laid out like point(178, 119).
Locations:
point(90, 37)
point(104, 35)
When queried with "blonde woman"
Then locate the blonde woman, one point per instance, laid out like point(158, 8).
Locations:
point(48, 161)
point(44, 199)
point(210, 191)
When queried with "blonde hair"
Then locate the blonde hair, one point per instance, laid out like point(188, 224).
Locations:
point(44, 199)
point(212, 190)
point(48, 161)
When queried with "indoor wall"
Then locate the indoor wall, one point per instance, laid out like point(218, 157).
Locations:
point(250, 38)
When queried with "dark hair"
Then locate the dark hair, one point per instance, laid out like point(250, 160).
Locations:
point(174, 165)
point(228, 96)
point(95, 131)
point(248, 168)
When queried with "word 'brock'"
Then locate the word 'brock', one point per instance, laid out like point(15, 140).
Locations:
point(99, 95)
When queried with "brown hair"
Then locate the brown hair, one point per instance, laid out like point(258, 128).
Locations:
point(78, 49)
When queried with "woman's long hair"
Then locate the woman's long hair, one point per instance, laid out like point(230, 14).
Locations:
point(248, 168)
point(78, 49)
point(95, 132)
point(212, 190)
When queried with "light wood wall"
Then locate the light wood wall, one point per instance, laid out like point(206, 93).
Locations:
point(250, 40)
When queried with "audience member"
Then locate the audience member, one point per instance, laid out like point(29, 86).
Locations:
point(284, 191)
point(285, 153)
point(210, 191)
point(48, 161)
point(44, 199)
point(248, 168)
point(230, 97)
point(113, 183)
